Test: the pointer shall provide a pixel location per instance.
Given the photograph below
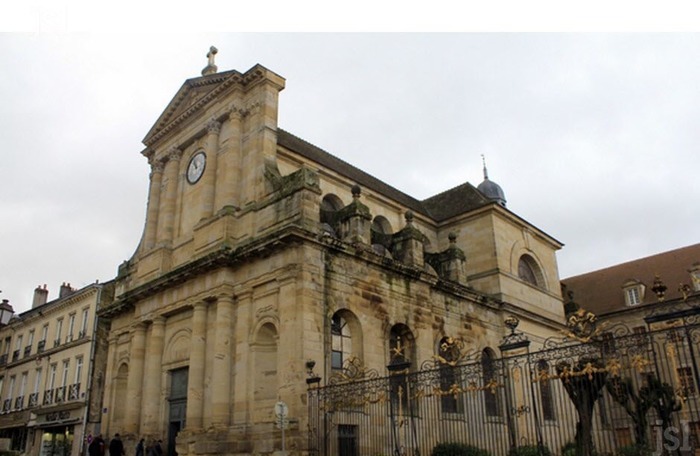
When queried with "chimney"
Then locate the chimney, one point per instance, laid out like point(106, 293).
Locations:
point(41, 295)
point(65, 290)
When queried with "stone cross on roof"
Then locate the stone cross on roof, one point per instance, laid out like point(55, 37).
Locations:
point(211, 66)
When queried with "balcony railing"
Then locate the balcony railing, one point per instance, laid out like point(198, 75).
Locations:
point(56, 343)
point(19, 402)
point(40, 346)
point(60, 394)
point(3, 359)
point(81, 334)
point(74, 392)
point(6, 405)
point(15, 355)
point(33, 400)
point(27, 350)
point(48, 397)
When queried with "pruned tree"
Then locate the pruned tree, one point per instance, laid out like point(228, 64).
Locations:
point(583, 382)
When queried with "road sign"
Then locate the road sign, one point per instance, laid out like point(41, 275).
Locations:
point(281, 410)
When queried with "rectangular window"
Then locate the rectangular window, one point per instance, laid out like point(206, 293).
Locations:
point(37, 381)
point(347, 440)
point(10, 387)
point(44, 333)
point(59, 330)
point(7, 345)
point(633, 296)
point(685, 376)
point(64, 377)
point(52, 376)
point(84, 323)
point(23, 383)
point(18, 342)
point(71, 327)
point(78, 370)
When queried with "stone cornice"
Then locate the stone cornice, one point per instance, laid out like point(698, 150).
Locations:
point(60, 304)
point(224, 80)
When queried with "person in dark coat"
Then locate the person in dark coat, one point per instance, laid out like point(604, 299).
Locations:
point(140, 451)
point(116, 447)
point(97, 446)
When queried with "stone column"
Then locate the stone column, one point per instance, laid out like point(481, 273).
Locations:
point(109, 377)
point(166, 218)
point(242, 402)
point(153, 203)
point(221, 370)
point(195, 386)
point(152, 382)
point(134, 383)
point(209, 178)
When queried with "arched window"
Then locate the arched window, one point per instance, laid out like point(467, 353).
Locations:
point(492, 391)
point(341, 341)
point(381, 232)
point(330, 205)
point(401, 344)
point(119, 411)
point(265, 356)
point(529, 271)
point(546, 397)
point(402, 353)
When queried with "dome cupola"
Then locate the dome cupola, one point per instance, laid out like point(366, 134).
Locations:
point(490, 189)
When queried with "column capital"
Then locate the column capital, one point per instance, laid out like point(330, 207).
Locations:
point(139, 327)
point(236, 110)
point(213, 126)
point(174, 153)
point(158, 321)
point(156, 166)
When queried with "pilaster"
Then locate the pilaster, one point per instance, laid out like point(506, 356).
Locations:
point(221, 370)
point(209, 178)
point(134, 386)
point(166, 219)
point(152, 382)
point(156, 180)
point(195, 387)
point(242, 358)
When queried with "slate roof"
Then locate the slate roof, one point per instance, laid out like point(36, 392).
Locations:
point(601, 291)
point(458, 200)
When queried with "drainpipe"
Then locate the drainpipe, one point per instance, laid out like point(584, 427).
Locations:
point(91, 367)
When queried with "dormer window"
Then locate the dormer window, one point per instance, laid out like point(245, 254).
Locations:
point(695, 276)
point(634, 292)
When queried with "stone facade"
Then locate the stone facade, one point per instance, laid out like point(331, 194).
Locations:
point(261, 252)
point(52, 371)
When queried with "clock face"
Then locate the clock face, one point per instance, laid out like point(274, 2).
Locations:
point(196, 167)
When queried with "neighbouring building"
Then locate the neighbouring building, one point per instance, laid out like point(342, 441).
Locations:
point(261, 252)
point(649, 306)
point(52, 360)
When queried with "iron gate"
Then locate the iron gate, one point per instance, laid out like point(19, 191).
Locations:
point(597, 391)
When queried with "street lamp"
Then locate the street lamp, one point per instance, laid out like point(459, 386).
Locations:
point(6, 312)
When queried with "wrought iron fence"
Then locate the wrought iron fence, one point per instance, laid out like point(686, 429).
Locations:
point(598, 391)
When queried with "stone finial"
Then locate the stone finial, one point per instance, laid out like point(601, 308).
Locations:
point(211, 67)
point(452, 236)
point(409, 217)
point(356, 191)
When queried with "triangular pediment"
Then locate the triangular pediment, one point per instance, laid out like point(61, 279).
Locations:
point(193, 95)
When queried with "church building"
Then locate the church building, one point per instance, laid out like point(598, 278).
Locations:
point(265, 259)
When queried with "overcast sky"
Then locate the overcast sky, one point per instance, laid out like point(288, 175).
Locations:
point(593, 137)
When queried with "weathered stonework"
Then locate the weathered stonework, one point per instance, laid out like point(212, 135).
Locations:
point(238, 282)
